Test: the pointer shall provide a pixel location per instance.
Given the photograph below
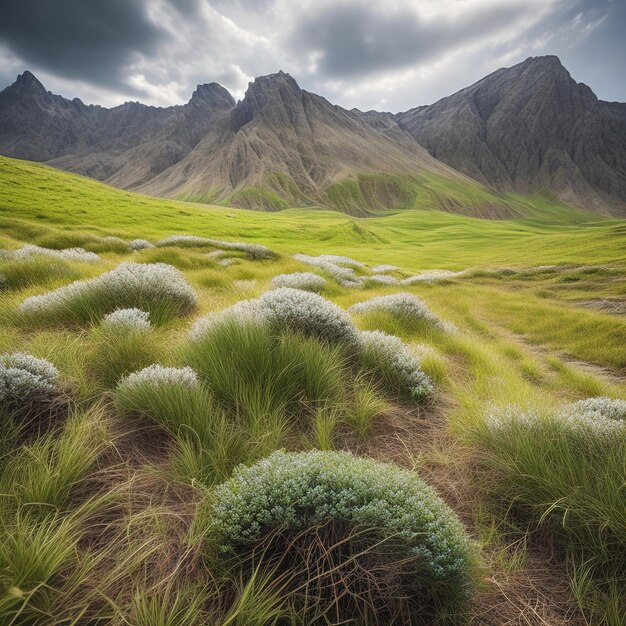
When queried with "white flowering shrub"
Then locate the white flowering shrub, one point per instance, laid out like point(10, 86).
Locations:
point(431, 276)
point(341, 260)
point(382, 279)
point(171, 397)
point(599, 409)
point(141, 244)
point(286, 308)
point(127, 319)
point(159, 376)
point(389, 358)
point(306, 281)
point(241, 312)
point(114, 243)
point(384, 269)
point(156, 287)
point(405, 306)
point(591, 419)
point(337, 272)
point(68, 254)
point(25, 381)
point(308, 313)
point(298, 490)
point(253, 250)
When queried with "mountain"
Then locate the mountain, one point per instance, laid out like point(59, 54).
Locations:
point(529, 128)
point(280, 146)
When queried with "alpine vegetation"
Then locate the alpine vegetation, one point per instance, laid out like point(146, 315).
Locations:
point(589, 418)
point(388, 357)
point(382, 279)
point(307, 313)
point(291, 492)
point(406, 307)
point(157, 288)
point(253, 250)
point(384, 269)
point(599, 409)
point(305, 281)
point(286, 308)
point(345, 276)
point(121, 344)
point(25, 382)
point(431, 276)
point(159, 376)
point(68, 254)
point(130, 319)
point(141, 244)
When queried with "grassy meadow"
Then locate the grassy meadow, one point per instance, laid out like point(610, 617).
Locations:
point(422, 459)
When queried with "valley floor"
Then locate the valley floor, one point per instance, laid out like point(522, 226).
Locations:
point(102, 509)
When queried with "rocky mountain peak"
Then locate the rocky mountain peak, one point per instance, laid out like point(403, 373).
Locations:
point(277, 92)
point(26, 85)
point(213, 95)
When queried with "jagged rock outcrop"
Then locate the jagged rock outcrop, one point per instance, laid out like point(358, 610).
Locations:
point(530, 127)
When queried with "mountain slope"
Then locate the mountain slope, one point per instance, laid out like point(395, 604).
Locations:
point(280, 146)
point(530, 127)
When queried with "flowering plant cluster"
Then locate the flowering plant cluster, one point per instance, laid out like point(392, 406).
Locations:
point(599, 409)
point(390, 358)
point(68, 254)
point(312, 315)
point(307, 313)
point(114, 241)
point(590, 418)
point(159, 376)
point(384, 269)
point(140, 244)
point(345, 276)
point(306, 281)
point(403, 305)
point(25, 380)
point(127, 319)
point(293, 491)
point(151, 285)
point(253, 250)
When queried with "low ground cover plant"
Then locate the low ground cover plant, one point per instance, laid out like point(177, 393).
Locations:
point(305, 281)
point(157, 288)
point(292, 492)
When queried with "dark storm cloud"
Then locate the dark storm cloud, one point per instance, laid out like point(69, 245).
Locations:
point(91, 40)
point(355, 38)
point(385, 54)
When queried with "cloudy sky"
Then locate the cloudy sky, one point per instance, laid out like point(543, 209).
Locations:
point(386, 54)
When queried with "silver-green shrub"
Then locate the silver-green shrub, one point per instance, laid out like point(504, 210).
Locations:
point(306, 281)
point(68, 254)
point(389, 358)
point(294, 491)
point(158, 376)
point(404, 305)
point(127, 319)
point(153, 286)
point(25, 381)
point(253, 250)
point(141, 244)
point(308, 313)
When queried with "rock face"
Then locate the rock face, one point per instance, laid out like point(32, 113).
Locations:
point(529, 128)
point(526, 128)
point(279, 146)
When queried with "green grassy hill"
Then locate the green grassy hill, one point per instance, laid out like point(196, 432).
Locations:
point(110, 506)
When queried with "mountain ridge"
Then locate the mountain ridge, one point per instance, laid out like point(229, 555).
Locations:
point(528, 128)
point(283, 146)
